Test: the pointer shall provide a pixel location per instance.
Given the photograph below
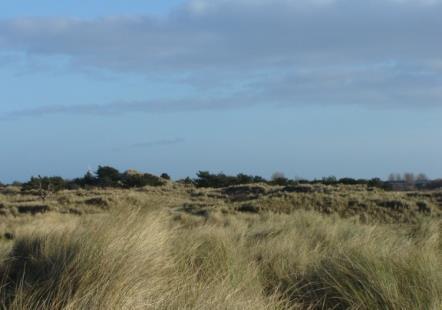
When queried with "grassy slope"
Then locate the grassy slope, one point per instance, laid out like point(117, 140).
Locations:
point(183, 248)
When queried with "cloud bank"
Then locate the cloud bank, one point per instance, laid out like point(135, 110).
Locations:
point(280, 52)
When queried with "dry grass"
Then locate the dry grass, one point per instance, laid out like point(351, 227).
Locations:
point(181, 248)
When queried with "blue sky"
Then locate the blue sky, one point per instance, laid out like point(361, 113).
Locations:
point(309, 87)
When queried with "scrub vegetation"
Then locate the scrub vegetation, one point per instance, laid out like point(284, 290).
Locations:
point(253, 246)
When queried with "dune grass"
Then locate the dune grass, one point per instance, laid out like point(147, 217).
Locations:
point(162, 260)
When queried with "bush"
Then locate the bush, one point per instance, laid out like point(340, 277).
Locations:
point(89, 179)
point(207, 179)
point(376, 182)
point(53, 184)
point(435, 184)
point(329, 180)
point(348, 181)
point(108, 176)
point(165, 176)
point(140, 180)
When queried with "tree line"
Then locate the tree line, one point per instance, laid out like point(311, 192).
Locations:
point(104, 176)
point(109, 177)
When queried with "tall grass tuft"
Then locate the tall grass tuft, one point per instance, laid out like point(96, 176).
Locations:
point(110, 264)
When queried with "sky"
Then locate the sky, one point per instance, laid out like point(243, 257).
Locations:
point(311, 88)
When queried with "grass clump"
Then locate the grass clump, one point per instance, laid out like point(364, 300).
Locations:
point(96, 265)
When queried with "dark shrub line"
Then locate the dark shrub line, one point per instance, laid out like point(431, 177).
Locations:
point(104, 177)
point(109, 177)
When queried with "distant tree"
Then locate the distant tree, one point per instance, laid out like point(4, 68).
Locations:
point(434, 184)
point(421, 177)
point(165, 176)
point(73, 184)
point(207, 179)
point(362, 181)
point(242, 178)
point(392, 177)
point(141, 180)
point(375, 182)
point(44, 185)
point(348, 181)
point(88, 180)
point(108, 176)
point(259, 179)
point(351, 181)
point(409, 178)
point(204, 179)
point(329, 180)
point(187, 181)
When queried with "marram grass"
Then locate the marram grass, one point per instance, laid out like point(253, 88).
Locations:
point(151, 261)
point(137, 254)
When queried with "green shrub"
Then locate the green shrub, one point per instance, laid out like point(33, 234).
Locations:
point(165, 176)
point(141, 180)
point(47, 183)
point(207, 179)
point(108, 176)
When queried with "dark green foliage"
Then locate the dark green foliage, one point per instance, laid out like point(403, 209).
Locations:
point(72, 185)
point(108, 176)
point(165, 176)
point(141, 180)
point(281, 181)
point(52, 184)
point(89, 179)
point(244, 179)
point(258, 179)
point(376, 182)
point(105, 176)
point(207, 179)
point(435, 184)
point(329, 180)
point(43, 186)
point(348, 181)
point(187, 181)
